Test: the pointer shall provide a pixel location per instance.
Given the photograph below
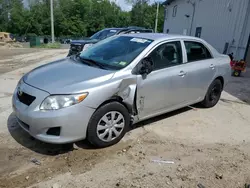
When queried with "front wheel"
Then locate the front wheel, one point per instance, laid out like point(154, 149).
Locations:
point(108, 124)
point(213, 94)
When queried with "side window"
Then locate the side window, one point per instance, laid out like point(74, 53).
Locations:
point(196, 51)
point(167, 55)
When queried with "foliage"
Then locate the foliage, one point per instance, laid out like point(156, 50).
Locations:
point(74, 18)
point(143, 14)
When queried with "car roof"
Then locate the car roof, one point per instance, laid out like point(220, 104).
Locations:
point(160, 36)
point(114, 28)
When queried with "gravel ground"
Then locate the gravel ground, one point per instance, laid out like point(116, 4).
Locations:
point(191, 147)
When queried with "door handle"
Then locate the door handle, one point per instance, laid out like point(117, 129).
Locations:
point(182, 73)
point(212, 66)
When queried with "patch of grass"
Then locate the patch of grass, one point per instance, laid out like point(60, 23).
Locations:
point(50, 45)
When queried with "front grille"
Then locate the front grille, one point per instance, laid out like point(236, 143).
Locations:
point(76, 48)
point(25, 98)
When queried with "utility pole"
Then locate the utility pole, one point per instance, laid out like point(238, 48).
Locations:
point(52, 21)
point(156, 17)
point(193, 3)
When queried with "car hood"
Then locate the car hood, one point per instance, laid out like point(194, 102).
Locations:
point(86, 41)
point(67, 76)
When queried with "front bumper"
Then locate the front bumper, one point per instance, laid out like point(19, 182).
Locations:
point(72, 121)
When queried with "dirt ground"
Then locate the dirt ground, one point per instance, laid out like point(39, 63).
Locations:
point(11, 59)
point(188, 148)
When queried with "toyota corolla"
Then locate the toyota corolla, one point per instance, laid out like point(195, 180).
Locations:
point(120, 81)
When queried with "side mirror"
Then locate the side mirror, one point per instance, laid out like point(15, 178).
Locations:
point(145, 66)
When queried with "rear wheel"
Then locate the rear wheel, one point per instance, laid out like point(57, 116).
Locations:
point(213, 94)
point(108, 124)
point(237, 73)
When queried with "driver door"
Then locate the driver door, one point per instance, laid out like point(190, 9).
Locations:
point(164, 88)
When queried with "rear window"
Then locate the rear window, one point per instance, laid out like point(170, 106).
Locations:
point(104, 34)
point(196, 51)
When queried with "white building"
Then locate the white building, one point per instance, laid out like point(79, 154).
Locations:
point(225, 24)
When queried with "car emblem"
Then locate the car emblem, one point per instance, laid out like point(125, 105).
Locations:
point(19, 92)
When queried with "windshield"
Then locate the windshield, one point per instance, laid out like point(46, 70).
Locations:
point(116, 52)
point(104, 34)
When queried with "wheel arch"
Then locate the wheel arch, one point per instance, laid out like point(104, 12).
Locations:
point(119, 100)
point(221, 80)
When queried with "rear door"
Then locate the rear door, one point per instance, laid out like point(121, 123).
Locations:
point(201, 69)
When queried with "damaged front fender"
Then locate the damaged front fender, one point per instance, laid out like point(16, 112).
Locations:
point(123, 88)
point(127, 91)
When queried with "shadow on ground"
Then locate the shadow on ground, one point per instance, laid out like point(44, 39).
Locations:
point(165, 116)
point(239, 87)
point(35, 145)
point(23, 138)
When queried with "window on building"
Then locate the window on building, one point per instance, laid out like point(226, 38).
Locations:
point(225, 48)
point(167, 55)
point(198, 32)
point(196, 51)
point(166, 14)
point(174, 11)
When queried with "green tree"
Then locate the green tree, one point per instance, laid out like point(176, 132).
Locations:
point(17, 17)
point(75, 17)
point(3, 15)
point(143, 14)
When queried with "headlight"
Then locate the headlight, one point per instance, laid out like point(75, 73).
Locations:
point(20, 82)
point(55, 102)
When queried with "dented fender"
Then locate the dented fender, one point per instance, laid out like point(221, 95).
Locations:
point(127, 91)
point(123, 87)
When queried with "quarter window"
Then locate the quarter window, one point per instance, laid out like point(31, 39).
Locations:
point(196, 51)
point(167, 55)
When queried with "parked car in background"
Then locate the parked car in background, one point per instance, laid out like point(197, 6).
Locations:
point(20, 39)
point(65, 41)
point(119, 81)
point(76, 46)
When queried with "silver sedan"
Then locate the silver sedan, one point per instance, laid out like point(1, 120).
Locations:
point(98, 94)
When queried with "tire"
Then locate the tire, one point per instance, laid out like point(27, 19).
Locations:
point(213, 94)
point(100, 126)
point(237, 73)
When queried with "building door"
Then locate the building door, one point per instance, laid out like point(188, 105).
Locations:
point(198, 32)
point(247, 54)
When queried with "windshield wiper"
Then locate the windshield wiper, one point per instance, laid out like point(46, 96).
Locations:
point(91, 61)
